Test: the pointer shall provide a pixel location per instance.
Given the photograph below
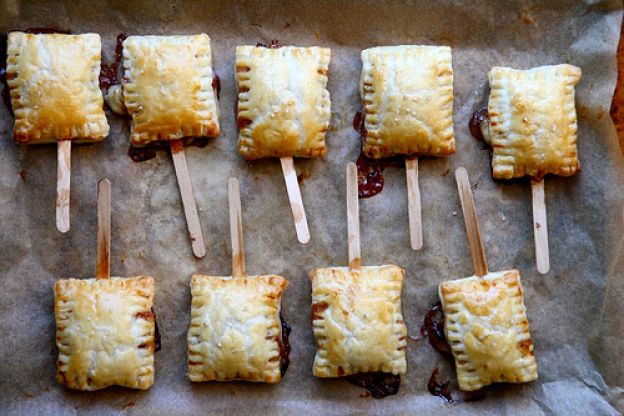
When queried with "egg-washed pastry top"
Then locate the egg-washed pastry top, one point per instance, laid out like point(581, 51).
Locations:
point(167, 88)
point(532, 124)
point(235, 330)
point(283, 103)
point(407, 96)
point(105, 332)
point(54, 87)
point(357, 321)
point(488, 331)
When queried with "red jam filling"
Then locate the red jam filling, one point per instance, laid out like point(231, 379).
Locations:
point(284, 346)
point(475, 123)
point(379, 384)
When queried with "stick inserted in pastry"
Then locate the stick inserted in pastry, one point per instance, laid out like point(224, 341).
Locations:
point(540, 226)
point(353, 218)
point(188, 199)
point(63, 181)
point(475, 242)
point(102, 269)
point(413, 203)
point(236, 229)
point(296, 203)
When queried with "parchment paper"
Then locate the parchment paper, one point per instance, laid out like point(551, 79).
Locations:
point(575, 311)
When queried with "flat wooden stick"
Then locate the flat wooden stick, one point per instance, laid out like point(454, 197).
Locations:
point(236, 229)
point(188, 199)
point(475, 241)
point(414, 210)
point(296, 203)
point(102, 269)
point(540, 226)
point(353, 218)
point(63, 180)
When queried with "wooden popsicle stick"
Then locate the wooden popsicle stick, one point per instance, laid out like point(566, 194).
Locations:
point(188, 199)
point(414, 210)
point(102, 269)
point(63, 180)
point(475, 242)
point(296, 203)
point(236, 229)
point(353, 218)
point(540, 226)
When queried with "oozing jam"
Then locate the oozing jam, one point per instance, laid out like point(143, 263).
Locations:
point(6, 95)
point(475, 123)
point(378, 384)
point(370, 171)
point(439, 389)
point(109, 72)
point(433, 329)
point(216, 85)
point(147, 152)
point(284, 346)
point(275, 44)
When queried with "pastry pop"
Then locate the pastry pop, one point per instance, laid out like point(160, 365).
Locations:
point(485, 317)
point(105, 327)
point(167, 90)
point(56, 98)
point(356, 315)
point(237, 332)
point(283, 111)
point(531, 125)
point(407, 96)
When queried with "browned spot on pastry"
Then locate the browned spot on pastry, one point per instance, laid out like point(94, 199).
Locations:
point(526, 347)
point(317, 309)
point(148, 316)
point(243, 68)
point(194, 363)
point(322, 71)
point(243, 89)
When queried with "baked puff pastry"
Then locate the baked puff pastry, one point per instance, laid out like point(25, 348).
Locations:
point(54, 87)
point(283, 103)
point(488, 331)
point(167, 88)
point(235, 331)
point(407, 93)
point(105, 331)
point(532, 127)
point(357, 321)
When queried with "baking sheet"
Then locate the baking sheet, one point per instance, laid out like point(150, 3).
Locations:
point(574, 311)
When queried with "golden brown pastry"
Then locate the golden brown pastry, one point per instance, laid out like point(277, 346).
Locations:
point(54, 87)
point(235, 331)
point(105, 332)
point(532, 121)
point(283, 103)
point(167, 88)
point(357, 321)
point(488, 331)
point(407, 92)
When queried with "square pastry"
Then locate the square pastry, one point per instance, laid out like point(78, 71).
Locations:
point(532, 127)
point(236, 331)
point(54, 85)
point(105, 331)
point(167, 88)
point(488, 331)
point(407, 96)
point(357, 321)
point(283, 103)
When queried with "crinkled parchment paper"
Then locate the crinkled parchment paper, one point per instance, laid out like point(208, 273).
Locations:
point(575, 311)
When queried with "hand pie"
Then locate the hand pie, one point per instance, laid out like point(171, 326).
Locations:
point(105, 332)
point(407, 92)
point(167, 88)
point(532, 127)
point(283, 103)
point(54, 87)
point(488, 331)
point(235, 331)
point(357, 321)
